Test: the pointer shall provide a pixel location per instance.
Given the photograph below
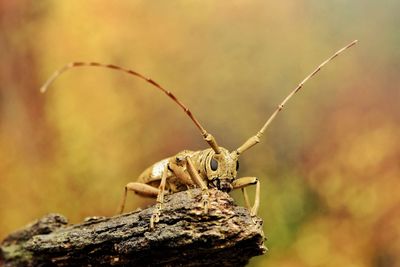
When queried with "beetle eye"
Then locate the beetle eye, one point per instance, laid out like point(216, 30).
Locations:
point(214, 164)
point(237, 165)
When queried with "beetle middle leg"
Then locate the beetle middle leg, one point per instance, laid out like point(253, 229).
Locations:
point(148, 191)
point(246, 181)
point(155, 217)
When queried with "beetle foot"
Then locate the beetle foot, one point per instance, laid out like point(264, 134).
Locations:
point(155, 217)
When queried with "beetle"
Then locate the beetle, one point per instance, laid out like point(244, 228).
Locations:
point(214, 167)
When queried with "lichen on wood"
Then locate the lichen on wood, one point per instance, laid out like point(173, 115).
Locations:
point(185, 236)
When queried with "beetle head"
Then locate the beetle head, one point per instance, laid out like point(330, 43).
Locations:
point(221, 169)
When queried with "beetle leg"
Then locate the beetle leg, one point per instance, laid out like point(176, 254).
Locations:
point(181, 174)
point(155, 217)
point(140, 189)
point(246, 198)
point(246, 181)
point(197, 179)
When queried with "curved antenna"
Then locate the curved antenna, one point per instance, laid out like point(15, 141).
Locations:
point(256, 138)
point(206, 136)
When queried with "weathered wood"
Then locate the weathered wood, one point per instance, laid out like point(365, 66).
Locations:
point(185, 236)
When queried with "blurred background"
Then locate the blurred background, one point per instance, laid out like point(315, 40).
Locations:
point(329, 164)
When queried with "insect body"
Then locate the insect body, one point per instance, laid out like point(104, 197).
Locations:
point(218, 171)
point(214, 167)
point(204, 169)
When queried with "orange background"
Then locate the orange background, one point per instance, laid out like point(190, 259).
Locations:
point(329, 164)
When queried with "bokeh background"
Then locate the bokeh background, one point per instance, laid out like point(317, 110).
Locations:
point(329, 164)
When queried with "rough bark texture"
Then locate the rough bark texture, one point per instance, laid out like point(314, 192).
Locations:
point(185, 236)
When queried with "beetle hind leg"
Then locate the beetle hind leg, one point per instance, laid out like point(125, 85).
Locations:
point(141, 189)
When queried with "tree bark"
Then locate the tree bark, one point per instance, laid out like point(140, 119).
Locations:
point(185, 236)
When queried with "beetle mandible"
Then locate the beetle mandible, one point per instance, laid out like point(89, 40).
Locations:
point(214, 167)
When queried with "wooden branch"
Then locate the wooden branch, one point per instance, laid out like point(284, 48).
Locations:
point(185, 236)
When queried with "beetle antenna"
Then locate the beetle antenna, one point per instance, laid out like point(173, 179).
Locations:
point(207, 136)
point(256, 138)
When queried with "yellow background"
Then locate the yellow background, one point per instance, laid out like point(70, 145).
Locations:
point(329, 164)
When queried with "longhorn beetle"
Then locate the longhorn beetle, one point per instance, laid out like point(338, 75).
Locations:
point(214, 167)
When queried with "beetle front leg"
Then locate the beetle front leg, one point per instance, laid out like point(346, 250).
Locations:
point(246, 181)
point(197, 179)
